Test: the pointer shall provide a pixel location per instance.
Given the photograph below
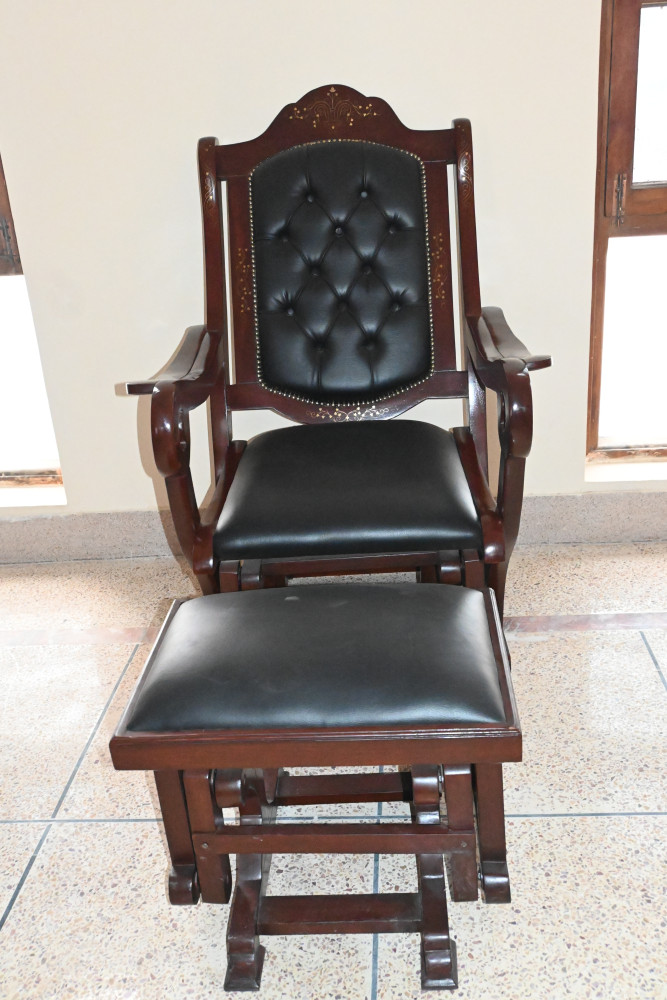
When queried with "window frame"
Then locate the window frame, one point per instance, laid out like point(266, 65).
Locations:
point(622, 208)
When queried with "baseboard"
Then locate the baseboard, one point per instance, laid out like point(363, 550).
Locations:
point(594, 518)
point(114, 535)
point(584, 518)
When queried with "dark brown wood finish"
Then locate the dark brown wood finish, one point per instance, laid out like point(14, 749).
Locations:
point(622, 208)
point(459, 800)
point(200, 773)
point(183, 881)
point(488, 788)
point(201, 369)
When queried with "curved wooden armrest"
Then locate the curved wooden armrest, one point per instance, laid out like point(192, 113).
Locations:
point(494, 341)
point(190, 362)
point(485, 505)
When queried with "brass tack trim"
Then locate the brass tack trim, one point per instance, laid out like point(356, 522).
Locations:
point(374, 399)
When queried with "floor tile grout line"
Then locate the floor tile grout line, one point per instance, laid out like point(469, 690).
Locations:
point(654, 658)
point(94, 733)
point(87, 559)
point(24, 876)
point(62, 822)
point(580, 815)
point(349, 817)
point(376, 886)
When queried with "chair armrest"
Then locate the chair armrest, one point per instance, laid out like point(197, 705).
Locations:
point(495, 341)
point(194, 359)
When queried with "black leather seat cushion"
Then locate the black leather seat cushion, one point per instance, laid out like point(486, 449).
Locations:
point(336, 489)
point(323, 655)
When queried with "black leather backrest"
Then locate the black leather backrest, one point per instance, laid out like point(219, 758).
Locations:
point(340, 258)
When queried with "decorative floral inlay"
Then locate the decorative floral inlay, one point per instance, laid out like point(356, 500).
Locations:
point(244, 271)
point(438, 269)
point(339, 416)
point(209, 189)
point(465, 173)
point(332, 110)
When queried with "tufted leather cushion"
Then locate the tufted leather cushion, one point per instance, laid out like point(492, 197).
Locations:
point(332, 489)
point(328, 655)
point(341, 279)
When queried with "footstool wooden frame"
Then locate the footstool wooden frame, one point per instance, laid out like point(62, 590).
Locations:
point(214, 660)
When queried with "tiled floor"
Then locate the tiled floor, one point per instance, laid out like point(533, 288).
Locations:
point(83, 905)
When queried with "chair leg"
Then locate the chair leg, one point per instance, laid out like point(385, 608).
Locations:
point(488, 787)
point(497, 581)
point(245, 954)
point(183, 882)
point(463, 885)
point(438, 951)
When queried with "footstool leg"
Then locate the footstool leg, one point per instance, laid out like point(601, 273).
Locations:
point(183, 884)
point(463, 884)
point(438, 951)
point(214, 871)
point(245, 954)
point(491, 832)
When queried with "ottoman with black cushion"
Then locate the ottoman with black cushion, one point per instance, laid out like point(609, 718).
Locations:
point(241, 686)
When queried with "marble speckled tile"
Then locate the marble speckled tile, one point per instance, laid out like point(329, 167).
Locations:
point(17, 843)
point(121, 592)
point(586, 919)
point(584, 579)
point(657, 641)
point(50, 700)
point(313, 874)
point(100, 792)
point(103, 887)
point(593, 715)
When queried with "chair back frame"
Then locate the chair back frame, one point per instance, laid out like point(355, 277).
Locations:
point(335, 113)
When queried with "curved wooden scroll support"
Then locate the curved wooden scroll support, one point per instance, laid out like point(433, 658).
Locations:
point(183, 880)
point(214, 871)
point(488, 786)
point(463, 885)
point(438, 951)
point(245, 954)
point(489, 343)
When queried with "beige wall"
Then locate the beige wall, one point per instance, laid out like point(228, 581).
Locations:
point(98, 141)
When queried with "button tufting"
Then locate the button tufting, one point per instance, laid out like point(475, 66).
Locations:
point(337, 264)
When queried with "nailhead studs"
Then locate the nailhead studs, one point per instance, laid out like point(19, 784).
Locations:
point(342, 305)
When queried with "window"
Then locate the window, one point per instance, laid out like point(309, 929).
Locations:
point(29, 463)
point(627, 414)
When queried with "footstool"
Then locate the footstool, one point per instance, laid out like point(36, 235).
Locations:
point(239, 687)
